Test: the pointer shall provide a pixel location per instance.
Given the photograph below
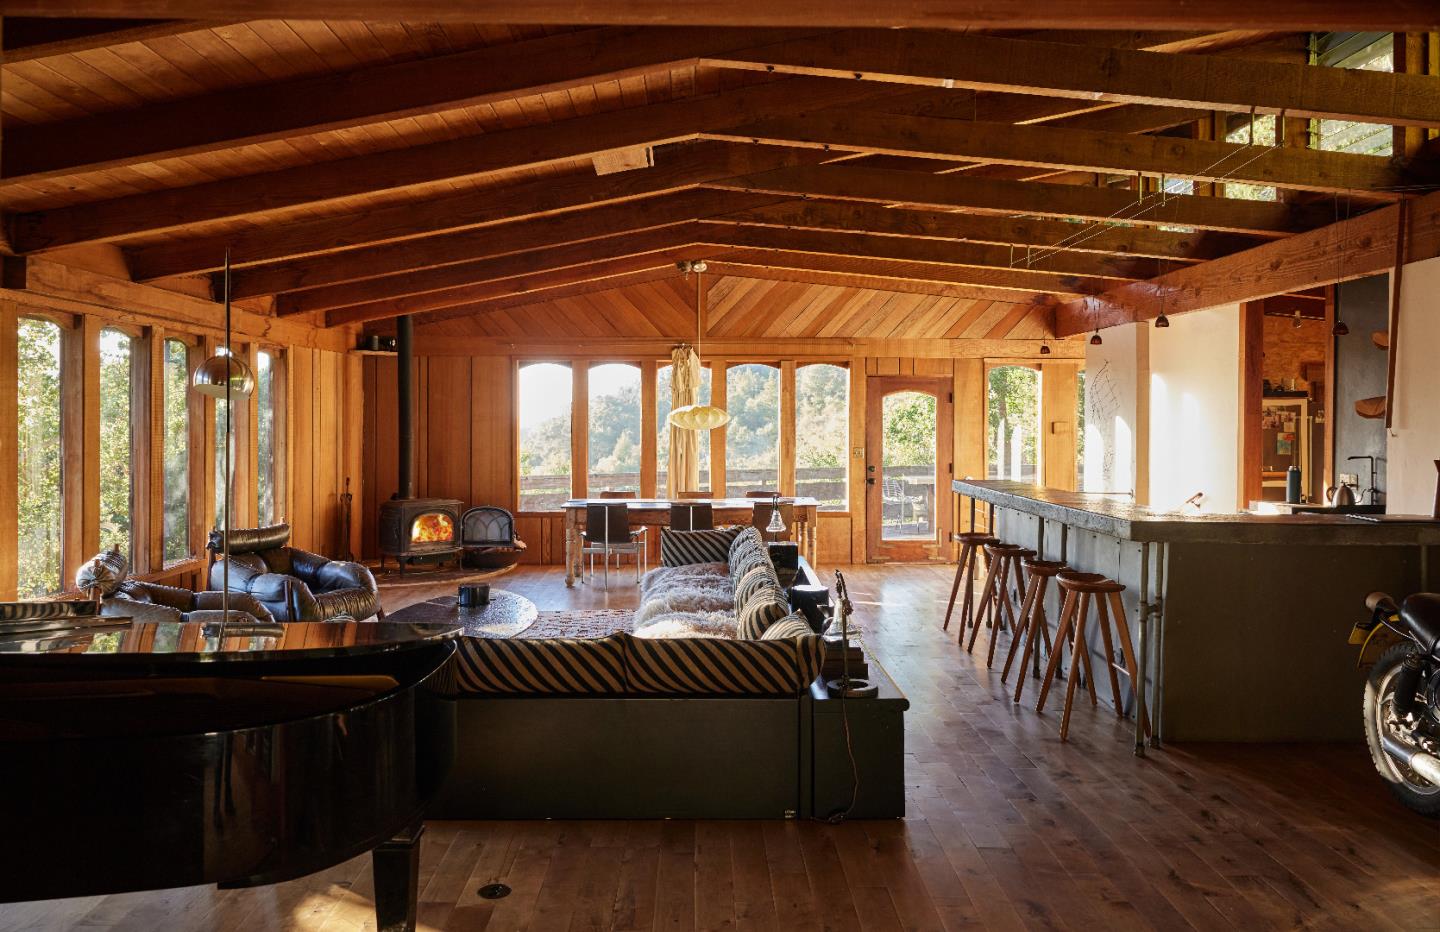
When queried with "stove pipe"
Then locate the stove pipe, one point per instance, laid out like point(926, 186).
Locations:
point(404, 368)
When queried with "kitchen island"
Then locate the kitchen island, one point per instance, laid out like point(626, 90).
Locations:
point(1241, 621)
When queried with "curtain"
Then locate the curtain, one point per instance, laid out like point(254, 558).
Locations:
point(683, 472)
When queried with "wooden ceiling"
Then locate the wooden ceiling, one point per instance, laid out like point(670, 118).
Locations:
point(970, 182)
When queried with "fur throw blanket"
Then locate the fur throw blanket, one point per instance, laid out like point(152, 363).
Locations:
point(696, 588)
point(688, 625)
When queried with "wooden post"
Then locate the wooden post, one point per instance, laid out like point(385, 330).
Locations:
point(969, 414)
point(1059, 383)
point(787, 427)
point(718, 398)
point(9, 450)
point(1410, 58)
point(146, 453)
point(80, 443)
point(579, 428)
point(1252, 355)
point(649, 428)
point(354, 408)
point(857, 454)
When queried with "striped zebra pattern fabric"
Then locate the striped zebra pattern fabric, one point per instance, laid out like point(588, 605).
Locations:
point(747, 560)
point(765, 607)
point(748, 539)
point(716, 666)
point(556, 666)
point(681, 548)
point(756, 578)
point(791, 626)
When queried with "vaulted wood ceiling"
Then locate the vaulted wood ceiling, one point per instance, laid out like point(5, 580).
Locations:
point(360, 170)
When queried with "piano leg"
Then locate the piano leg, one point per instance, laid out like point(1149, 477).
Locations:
point(396, 864)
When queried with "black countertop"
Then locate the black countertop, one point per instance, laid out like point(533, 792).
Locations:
point(1116, 516)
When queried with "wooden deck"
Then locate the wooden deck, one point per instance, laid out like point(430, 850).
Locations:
point(1008, 829)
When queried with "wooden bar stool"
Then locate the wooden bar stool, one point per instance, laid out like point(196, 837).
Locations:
point(1004, 563)
point(1081, 589)
point(1032, 618)
point(970, 543)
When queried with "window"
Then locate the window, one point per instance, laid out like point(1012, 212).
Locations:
point(116, 479)
point(662, 448)
point(1364, 51)
point(221, 448)
point(1012, 447)
point(822, 434)
point(176, 377)
point(613, 436)
point(545, 391)
point(909, 422)
point(1080, 427)
point(752, 438)
point(39, 457)
point(267, 483)
point(1255, 131)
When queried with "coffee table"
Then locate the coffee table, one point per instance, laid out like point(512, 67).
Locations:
point(507, 615)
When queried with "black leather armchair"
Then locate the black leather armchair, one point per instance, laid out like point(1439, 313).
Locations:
point(294, 584)
point(105, 576)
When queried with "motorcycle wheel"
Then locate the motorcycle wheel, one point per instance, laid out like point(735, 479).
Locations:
point(1412, 790)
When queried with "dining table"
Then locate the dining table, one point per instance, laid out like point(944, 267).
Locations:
point(655, 512)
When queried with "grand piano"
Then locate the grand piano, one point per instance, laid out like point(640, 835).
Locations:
point(236, 754)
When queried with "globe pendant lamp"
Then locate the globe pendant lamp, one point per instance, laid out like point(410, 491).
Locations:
point(225, 376)
point(697, 416)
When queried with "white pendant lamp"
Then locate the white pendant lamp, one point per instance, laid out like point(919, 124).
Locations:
point(697, 416)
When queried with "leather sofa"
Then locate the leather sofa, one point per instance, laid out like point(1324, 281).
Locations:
point(105, 575)
point(294, 584)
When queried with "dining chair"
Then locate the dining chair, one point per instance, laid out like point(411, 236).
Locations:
point(760, 518)
point(617, 493)
point(688, 517)
point(607, 531)
point(761, 493)
point(695, 495)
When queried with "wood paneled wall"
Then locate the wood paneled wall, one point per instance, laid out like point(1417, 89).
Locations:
point(465, 405)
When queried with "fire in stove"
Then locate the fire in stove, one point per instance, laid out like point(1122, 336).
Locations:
point(432, 528)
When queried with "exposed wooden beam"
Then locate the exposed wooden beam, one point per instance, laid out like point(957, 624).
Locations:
point(250, 115)
point(1340, 252)
point(524, 284)
point(1202, 82)
point(1022, 231)
point(996, 266)
point(807, 270)
point(676, 168)
point(438, 163)
point(1290, 15)
point(447, 285)
point(33, 38)
point(984, 195)
point(483, 243)
point(555, 292)
point(1075, 149)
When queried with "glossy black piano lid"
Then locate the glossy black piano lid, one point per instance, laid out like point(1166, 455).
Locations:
point(139, 775)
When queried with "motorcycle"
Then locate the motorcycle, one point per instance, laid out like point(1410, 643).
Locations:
point(1402, 697)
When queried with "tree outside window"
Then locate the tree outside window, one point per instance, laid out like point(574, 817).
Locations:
point(822, 434)
point(267, 481)
point(116, 435)
point(39, 488)
point(752, 438)
point(1012, 444)
point(613, 436)
point(545, 395)
point(176, 379)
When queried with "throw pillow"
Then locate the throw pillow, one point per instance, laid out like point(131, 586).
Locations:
point(749, 537)
point(105, 572)
point(791, 626)
point(746, 560)
point(679, 548)
point(754, 578)
point(765, 608)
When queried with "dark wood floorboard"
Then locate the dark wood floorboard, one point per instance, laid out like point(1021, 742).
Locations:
point(1007, 829)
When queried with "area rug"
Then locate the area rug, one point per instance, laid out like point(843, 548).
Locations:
point(392, 578)
point(580, 624)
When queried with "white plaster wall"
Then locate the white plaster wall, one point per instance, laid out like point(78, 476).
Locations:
point(1194, 410)
point(1414, 441)
point(1112, 415)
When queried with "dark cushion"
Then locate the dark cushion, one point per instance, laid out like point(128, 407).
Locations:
point(552, 666)
point(681, 548)
point(250, 540)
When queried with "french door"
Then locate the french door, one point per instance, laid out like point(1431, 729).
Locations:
point(908, 467)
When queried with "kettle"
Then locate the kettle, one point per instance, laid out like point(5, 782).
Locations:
point(1340, 496)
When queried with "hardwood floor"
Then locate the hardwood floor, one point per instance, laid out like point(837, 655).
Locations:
point(1007, 829)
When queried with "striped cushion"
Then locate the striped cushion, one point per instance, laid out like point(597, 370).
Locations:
point(748, 537)
point(755, 578)
point(679, 548)
point(765, 607)
point(105, 571)
point(547, 666)
point(791, 626)
point(746, 561)
point(716, 666)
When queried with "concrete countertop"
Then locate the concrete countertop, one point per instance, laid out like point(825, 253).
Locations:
point(1116, 516)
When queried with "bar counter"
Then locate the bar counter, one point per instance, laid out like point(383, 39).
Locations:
point(1241, 620)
